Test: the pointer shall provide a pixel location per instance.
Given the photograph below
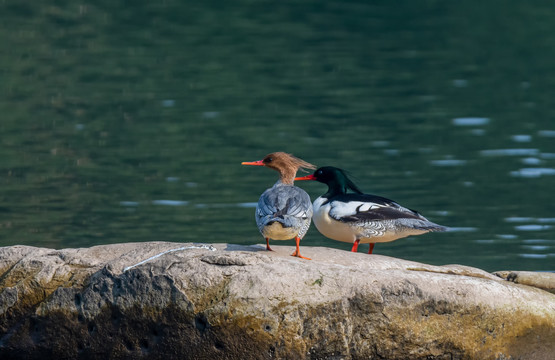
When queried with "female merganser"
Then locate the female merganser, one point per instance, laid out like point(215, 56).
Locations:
point(284, 210)
point(362, 218)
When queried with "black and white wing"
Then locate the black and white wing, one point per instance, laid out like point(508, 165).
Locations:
point(377, 214)
point(361, 207)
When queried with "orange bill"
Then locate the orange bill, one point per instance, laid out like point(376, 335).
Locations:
point(308, 177)
point(258, 163)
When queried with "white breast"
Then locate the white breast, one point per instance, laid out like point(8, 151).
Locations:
point(329, 227)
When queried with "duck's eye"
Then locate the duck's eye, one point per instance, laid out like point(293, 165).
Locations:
point(268, 160)
point(319, 172)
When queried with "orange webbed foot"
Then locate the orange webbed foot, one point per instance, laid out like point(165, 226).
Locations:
point(268, 245)
point(300, 256)
point(297, 252)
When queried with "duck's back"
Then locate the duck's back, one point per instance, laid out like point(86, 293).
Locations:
point(284, 206)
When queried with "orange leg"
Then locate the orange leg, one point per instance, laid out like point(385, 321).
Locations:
point(371, 248)
point(268, 245)
point(355, 245)
point(297, 252)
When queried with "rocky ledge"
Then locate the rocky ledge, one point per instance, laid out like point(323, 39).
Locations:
point(198, 301)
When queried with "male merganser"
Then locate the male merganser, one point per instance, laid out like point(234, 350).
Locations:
point(283, 211)
point(362, 218)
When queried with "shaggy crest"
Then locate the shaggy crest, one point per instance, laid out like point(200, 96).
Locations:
point(287, 165)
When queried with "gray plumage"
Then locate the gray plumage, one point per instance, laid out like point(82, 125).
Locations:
point(283, 211)
point(287, 205)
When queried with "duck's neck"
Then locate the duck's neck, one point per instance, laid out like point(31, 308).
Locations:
point(287, 175)
point(335, 188)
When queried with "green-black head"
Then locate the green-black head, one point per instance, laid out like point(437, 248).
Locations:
point(337, 180)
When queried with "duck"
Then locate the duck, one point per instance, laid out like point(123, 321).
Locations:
point(358, 218)
point(283, 211)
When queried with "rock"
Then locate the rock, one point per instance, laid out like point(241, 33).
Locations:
point(542, 280)
point(197, 301)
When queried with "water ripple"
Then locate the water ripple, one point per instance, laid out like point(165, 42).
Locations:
point(485, 241)
point(471, 121)
point(462, 229)
point(460, 83)
point(536, 247)
point(529, 219)
point(532, 172)
point(210, 114)
point(533, 256)
point(170, 202)
point(521, 138)
point(519, 219)
point(548, 156)
point(547, 133)
point(531, 161)
point(538, 241)
point(533, 227)
point(168, 103)
point(448, 162)
point(129, 203)
point(510, 152)
point(506, 236)
point(478, 132)
point(380, 143)
point(247, 204)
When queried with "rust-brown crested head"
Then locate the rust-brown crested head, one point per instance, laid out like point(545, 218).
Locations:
point(284, 161)
point(286, 164)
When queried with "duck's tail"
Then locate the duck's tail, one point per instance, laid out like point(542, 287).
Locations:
point(424, 225)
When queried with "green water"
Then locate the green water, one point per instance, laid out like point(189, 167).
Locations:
point(109, 107)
